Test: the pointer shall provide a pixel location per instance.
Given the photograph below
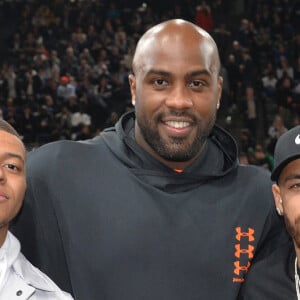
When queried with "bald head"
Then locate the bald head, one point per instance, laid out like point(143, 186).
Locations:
point(172, 35)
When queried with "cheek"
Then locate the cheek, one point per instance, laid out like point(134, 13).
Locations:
point(147, 101)
point(209, 99)
point(292, 213)
point(205, 106)
point(293, 227)
point(138, 93)
point(20, 191)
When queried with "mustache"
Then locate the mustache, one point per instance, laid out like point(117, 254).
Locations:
point(177, 114)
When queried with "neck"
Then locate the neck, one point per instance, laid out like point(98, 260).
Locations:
point(3, 234)
point(297, 250)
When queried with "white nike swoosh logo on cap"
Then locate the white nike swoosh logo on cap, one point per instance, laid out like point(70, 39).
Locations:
point(297, 139)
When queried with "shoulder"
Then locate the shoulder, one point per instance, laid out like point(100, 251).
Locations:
point(255, 174)
point(62, 147)
point(255, 186)
point(28, 275)
point(50, 155)
point(253, 169)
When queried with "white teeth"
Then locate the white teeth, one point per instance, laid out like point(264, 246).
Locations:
point(177, 124)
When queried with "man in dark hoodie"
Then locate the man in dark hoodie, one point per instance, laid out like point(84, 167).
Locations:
point(158, 206)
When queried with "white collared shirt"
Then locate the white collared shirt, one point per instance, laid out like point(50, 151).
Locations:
point(20, 280)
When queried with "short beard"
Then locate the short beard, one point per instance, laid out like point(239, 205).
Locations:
point(294, 230)
point(178, 150)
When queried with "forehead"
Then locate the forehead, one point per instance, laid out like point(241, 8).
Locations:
point(11, 143)
point(183, 51)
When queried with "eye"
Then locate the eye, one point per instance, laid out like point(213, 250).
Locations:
point(160, 82)
point(196, 84)
point(295, 186)
point(12, 167)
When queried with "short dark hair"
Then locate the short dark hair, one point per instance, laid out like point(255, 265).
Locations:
point(5, 126)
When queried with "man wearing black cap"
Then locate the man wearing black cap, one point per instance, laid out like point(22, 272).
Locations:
point(278, 276)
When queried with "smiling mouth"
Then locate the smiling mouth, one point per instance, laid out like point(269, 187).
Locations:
point(3, 197)
point(177, 124)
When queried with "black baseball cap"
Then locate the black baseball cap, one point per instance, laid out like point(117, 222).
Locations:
point(287, 149)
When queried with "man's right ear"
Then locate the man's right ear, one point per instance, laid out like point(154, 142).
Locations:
point(277, 199)
point(132, 84)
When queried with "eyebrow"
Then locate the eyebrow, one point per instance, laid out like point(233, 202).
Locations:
point(189, 74)
point(291, 177)
point(158, 72)
point(14, 155)
point(199, 72)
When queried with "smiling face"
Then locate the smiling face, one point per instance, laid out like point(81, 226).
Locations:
point(12, 179)
point(176, 89)
point(288, 189)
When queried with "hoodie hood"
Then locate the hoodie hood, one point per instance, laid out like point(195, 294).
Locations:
point(218, 158)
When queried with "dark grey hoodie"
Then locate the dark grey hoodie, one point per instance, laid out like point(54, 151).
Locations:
point(106, 220)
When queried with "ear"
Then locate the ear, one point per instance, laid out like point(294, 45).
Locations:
point(220, 88)
point(132, 84)
point(277, 199)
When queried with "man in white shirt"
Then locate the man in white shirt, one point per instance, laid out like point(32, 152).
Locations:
point(19, 279)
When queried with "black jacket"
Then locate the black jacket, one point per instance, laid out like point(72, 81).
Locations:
point(106, 220)
point(272, 278)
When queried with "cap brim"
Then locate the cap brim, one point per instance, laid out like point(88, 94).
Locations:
point(277, 170)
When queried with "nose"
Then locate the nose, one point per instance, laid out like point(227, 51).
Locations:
point(179, 98)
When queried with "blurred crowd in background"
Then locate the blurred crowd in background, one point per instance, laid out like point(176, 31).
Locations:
point(65, 65)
